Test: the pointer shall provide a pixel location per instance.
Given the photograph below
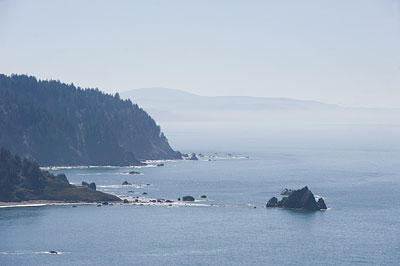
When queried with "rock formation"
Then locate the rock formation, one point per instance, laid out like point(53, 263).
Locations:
point(286, 191)
point(193, 157)
point(187, 198)
point(298, 199)
point(91, 185)
point(273, 202)
point(134, 173)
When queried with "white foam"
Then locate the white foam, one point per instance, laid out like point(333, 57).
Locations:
point(158, 161)
point(24, 252)
point(25, 205)
point(122, 186)
point(87, 167)
point(145, 166)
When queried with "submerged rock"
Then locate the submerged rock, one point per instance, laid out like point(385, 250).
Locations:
point(298, 199)
point(188, 198)
point(203, 196)
point(134, 173)
point(160, 164)
point(126, 201)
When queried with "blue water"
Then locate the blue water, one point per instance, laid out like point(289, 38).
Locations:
point(361, 188)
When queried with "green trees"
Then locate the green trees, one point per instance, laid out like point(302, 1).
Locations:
point(9, 173)
point(33, 177)
point(15, 173)
point(26, 181)
point(60, 124)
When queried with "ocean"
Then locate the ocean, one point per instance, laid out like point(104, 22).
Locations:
point(361, 188)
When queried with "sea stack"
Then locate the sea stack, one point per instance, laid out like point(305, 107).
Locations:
point(302, 199)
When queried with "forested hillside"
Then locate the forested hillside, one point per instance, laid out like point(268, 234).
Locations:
point(60, 124)
point(23, 180)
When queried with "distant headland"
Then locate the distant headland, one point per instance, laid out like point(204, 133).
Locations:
point(60, 124)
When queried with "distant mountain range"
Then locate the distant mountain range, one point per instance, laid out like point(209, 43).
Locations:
point(194, 122)
point(176, 105)
point(59, 124)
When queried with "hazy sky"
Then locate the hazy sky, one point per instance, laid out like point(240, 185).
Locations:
point(344, 52)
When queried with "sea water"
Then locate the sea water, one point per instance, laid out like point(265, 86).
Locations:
point(361, 227)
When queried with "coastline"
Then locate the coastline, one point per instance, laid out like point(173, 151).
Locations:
point(40, 203)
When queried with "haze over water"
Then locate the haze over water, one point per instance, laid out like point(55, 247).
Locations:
point(360, 228)
point(330, 120)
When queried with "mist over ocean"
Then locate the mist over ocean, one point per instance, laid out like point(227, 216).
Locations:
point(359, 185)
point(104, 106)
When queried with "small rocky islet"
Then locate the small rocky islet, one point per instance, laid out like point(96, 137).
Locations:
point(301, 199)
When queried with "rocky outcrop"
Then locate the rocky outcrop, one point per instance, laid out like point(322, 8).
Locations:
point(193, 157)
point(91, 185)
point(126, 183)
point(187, 198)
point(286, 191)
point(134, 173)
point(299, 199)
point(62, 177)
point(273, 202)
point(321, 204)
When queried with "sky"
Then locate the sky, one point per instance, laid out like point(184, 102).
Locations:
point(342, 52)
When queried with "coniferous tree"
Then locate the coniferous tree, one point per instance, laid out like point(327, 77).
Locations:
point(60, 124)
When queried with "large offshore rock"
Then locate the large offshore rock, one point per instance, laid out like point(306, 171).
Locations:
point(298, 199)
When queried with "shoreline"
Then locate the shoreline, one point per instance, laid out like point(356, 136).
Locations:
point(142, 202)
point(40, 203)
